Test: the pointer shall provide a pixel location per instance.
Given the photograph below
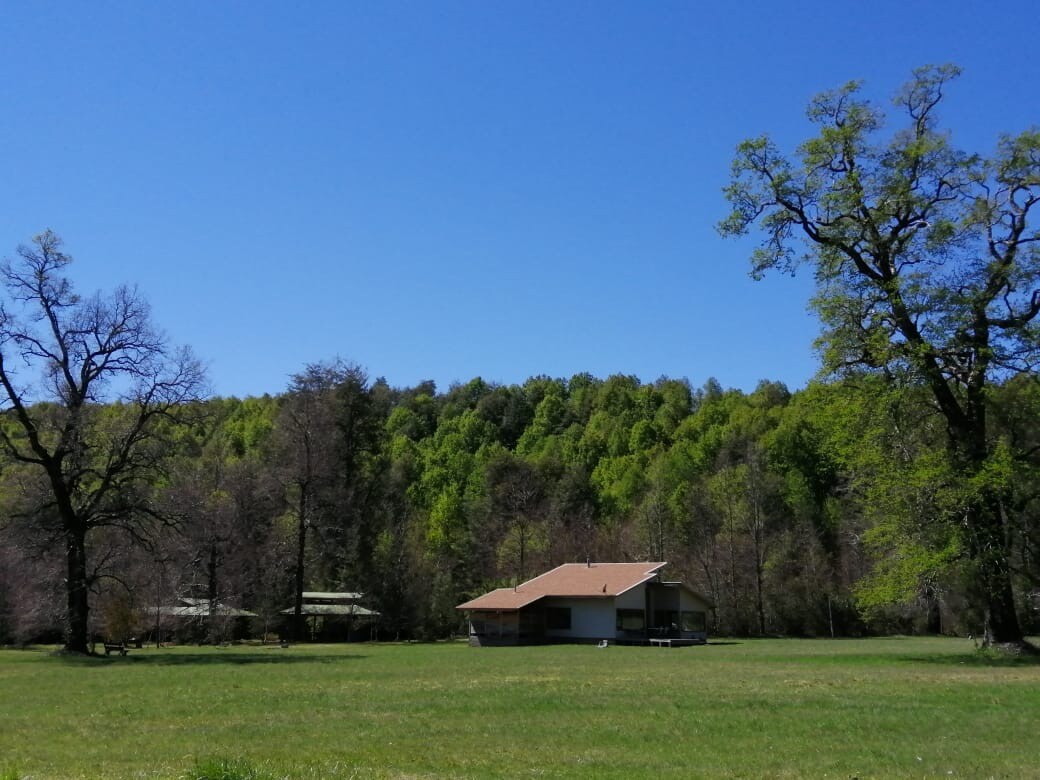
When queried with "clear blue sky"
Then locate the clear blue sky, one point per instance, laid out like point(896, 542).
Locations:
point(450, 189)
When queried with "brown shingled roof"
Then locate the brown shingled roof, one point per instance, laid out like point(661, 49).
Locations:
point(572, 580)
point(505, 599)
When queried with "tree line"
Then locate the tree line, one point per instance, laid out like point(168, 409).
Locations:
point(816, 513)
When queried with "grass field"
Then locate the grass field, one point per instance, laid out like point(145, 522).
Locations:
point(896, 707)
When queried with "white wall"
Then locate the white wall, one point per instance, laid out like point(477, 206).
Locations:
point(590, 618)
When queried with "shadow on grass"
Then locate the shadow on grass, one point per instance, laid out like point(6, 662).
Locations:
point(208, 659)
point(240, 658)
point(980, 658)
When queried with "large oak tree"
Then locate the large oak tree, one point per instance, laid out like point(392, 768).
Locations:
point(89, 389)
point(928, 271)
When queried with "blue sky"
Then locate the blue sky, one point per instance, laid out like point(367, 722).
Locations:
point(446, 190)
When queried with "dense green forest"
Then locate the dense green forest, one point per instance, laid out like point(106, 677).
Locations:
point(810, 513)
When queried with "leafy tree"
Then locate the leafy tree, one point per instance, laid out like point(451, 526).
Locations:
point(508, 409)
point(96, 463)
point(549, 416)
point(927, 269)
point(676, 404)
point(247, 424)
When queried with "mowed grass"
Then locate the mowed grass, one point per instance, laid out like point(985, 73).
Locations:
point(901, 707)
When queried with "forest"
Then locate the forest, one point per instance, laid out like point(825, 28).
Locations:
point(813, 513)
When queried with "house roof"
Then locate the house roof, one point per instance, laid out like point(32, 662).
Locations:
point(332, 596)
point(503, 599)
point(572, 580)
point(194, 608)
point(333, 609)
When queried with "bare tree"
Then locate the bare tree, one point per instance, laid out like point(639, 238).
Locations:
point(88, 389)
point(309, 438)
point(517, 495)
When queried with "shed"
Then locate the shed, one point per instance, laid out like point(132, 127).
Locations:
point(333, 615)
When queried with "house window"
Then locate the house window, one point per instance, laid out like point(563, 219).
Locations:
point(630, 620)
point(558, 618)
point(666, 619)
point(694, 621)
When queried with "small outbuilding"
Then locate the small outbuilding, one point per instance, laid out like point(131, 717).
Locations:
point(197, 619)
point(625, 603)
point(334, 616)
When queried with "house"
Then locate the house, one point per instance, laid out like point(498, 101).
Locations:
point(627, 603)
point(333, 616)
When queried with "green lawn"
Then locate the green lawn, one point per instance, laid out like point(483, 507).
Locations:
point(762, 708)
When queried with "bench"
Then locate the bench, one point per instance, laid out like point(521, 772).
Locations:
point(666, 641)
point(115, 647)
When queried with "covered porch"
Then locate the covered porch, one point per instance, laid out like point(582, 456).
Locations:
point(670, 615)
point(491, 628)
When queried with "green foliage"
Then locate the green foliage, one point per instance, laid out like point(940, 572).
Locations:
point(903, 567)
point(620, 481)
point(247, 424)
point(447, 525)
point(550, 417)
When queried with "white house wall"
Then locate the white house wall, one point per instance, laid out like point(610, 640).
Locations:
point(590, 618)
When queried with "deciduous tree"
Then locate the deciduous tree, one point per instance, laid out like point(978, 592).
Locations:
point(928, 273)
point(62, 359)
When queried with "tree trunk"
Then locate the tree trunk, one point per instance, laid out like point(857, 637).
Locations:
point(211, 594)
point(988, 540)
point(522, 534)
point(989, 549)
point(760, 607)
point(756, 537)
point(78, 609)
point(301, 548)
